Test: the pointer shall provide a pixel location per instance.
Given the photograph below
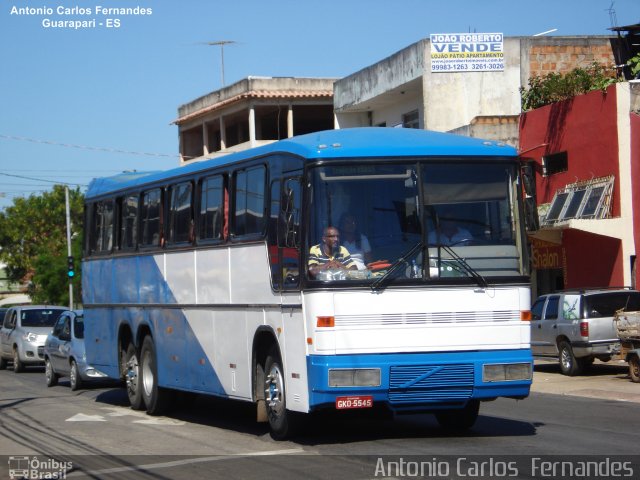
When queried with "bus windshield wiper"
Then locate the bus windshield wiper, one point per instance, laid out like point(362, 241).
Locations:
point(402, 260)
point(468, 269)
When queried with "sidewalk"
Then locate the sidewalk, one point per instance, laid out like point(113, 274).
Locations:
point(604, 381)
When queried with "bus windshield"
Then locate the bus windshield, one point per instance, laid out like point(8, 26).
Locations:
point(415, 222)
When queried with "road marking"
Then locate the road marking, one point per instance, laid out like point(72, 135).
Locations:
point(178, 463)
point(144, 419)
point(124, 412)
point(159, 421)
point(81, 417)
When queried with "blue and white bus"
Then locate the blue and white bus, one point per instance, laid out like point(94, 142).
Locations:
point(197, 279)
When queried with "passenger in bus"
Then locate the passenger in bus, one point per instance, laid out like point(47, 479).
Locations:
point(355, 242)
point(447, 230)
point(329, 254)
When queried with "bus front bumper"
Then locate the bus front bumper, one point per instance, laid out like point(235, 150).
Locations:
point(412, 382)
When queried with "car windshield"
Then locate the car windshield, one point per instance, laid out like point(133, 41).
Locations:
point(45, 317)
point(414, 222)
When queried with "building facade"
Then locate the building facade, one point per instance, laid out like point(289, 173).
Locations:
point(402, 90)
point(252, 112)
point(586, 153)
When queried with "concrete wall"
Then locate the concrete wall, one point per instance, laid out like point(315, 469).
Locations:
point(379, 78)
point(256, 84)
point(453, 100)
point(450, 101)
point(634, 158)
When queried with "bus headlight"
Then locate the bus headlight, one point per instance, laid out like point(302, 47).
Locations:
point(506, 372)
point(354, 377)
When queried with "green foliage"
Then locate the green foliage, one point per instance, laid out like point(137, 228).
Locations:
point(634, 63)
point(555, 87)
point(33, 243)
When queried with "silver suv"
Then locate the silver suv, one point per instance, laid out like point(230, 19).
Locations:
point(577, 326)
point(23, 334)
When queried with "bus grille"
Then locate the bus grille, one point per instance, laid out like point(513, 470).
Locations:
point(426, 318)
point(430, 383)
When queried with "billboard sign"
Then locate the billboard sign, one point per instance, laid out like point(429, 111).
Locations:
point(467, 52)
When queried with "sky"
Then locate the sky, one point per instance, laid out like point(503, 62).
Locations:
point(82, 103)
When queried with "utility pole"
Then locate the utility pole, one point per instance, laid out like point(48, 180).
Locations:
point(70, 266)
point(221, 44)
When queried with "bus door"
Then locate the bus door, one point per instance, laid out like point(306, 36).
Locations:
point(289, 237)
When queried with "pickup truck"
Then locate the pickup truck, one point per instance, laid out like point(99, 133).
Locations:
point(576, 327)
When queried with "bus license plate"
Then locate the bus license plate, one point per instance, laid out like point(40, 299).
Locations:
point(354, 402)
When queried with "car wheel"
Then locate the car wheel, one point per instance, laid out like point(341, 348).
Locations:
point(132, 377)
point(634, 368)
point(18, 366)
point(459, 420)
point(3, 363)
point(282, 422)
point(74, 376)
point(156, 398)
point(569, 365)
point(50, 375)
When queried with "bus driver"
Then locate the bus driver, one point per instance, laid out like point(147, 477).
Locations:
point(329, 255)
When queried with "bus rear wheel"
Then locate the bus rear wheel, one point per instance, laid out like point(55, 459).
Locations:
point(282, 422)
point(156, 398)
point(132, 377)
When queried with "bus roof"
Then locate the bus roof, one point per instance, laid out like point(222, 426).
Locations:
point(367, 142)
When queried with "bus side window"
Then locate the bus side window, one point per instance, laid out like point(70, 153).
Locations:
point(128, 222)
point(151, 218)
point(211, 208)
point(249, 201)
point(101, 232)
point(180, 213)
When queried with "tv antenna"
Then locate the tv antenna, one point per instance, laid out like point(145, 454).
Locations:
point(613, 19)
point(221, 44)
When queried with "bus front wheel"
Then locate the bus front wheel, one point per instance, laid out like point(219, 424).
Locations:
point(459, 419)
point(132, 377)
point(156, 398)
point(282, 422)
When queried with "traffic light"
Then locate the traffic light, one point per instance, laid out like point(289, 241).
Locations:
point(71, 270)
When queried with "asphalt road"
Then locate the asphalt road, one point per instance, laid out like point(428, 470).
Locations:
point(102, 437)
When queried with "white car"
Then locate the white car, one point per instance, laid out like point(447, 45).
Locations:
point(23, 334)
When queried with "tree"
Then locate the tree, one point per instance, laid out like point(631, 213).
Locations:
point(33, 243)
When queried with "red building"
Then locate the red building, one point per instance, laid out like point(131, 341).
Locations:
point(587, 159)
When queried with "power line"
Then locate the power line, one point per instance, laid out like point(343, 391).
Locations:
point(43, 180)
point(86, 147)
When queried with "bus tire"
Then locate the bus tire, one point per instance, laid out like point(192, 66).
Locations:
point(132, 377)
point(282, 422)
point(157, 399)
point(459, 420)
